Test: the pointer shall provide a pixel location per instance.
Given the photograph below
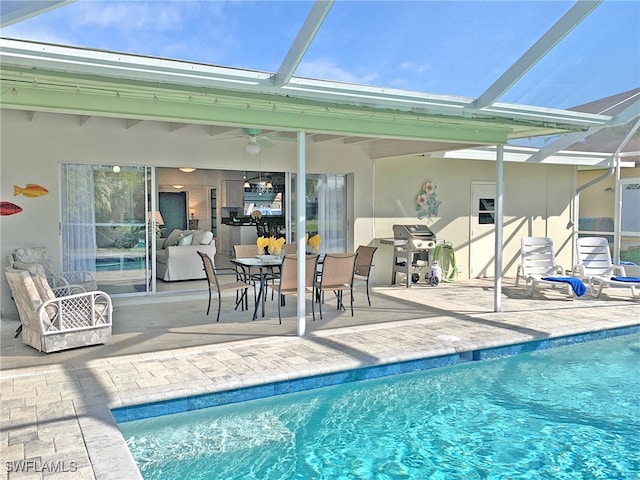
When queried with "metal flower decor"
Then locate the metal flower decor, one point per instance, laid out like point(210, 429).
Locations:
point(427, 202)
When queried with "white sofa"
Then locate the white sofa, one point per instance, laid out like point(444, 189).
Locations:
point(178, 258)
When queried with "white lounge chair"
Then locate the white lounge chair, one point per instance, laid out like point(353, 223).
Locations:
point(539, 268)
point(594, 266)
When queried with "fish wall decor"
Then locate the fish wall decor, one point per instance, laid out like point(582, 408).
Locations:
point(8, 208)
point(32, 190)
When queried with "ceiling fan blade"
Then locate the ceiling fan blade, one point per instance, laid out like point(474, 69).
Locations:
point(252, 132)
point(279, 138)
point(262, 141)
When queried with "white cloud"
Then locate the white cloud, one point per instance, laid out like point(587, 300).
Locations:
point(125, 15)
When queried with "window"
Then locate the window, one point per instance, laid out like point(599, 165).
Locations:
point(486, 211)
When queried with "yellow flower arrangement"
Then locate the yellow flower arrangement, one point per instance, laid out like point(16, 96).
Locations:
point(315, 243)
point(261, 243)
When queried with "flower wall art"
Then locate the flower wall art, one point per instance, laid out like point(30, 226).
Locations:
point(427, 201)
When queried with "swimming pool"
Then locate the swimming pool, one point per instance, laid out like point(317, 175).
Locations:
point(565, 413)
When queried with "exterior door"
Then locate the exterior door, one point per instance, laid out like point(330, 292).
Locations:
point(104, 225)
point(482, 230)
point(326, 210)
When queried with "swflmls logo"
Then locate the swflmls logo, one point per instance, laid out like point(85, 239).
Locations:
point(41, 466)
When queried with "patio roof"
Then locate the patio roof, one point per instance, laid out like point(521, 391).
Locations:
point(396, 122)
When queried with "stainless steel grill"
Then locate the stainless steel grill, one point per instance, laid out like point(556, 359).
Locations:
point(412, 246)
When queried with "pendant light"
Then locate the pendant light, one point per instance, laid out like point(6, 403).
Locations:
point(260, 169)
point(246, 183)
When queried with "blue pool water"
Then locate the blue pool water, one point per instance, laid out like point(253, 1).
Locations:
point(565, 413)
point(106, 265)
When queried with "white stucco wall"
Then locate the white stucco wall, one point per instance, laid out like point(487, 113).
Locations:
point(34, 147)
point(537, 202)
point(537, 198)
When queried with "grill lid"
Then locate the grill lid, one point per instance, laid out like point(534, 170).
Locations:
point(408, 232)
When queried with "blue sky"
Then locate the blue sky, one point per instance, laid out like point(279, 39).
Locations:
point(449, 47)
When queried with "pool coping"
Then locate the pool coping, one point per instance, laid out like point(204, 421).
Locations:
point(282, 387)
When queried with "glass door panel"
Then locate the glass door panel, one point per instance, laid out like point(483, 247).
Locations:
point(326, 210)
point(105, 227)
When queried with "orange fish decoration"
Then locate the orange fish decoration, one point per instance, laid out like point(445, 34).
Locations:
point(32, 190)
point(8, 208)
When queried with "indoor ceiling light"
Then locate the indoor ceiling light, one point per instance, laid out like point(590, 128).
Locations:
point(116, 169)
point(187, 169)
point(252, 148)
point(246, 184)
point(178, 186)
point(269, 184)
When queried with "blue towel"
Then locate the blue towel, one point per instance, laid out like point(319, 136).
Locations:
point(578, 287)
point(626, 279)
point(623, 262)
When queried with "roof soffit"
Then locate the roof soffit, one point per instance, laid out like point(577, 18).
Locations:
point(55, 91)
point(83, 64)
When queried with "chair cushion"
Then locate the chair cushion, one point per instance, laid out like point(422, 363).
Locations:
point(37, 255)
point(39, 278)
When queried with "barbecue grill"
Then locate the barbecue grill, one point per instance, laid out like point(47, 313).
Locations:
point(412, 246)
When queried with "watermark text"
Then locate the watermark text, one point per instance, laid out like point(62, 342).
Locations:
point(41, 466)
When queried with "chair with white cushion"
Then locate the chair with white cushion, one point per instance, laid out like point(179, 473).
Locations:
point(51, 323)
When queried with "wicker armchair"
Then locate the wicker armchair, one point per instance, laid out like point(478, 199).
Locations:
point(51, 323)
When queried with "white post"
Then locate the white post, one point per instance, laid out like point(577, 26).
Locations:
point(301, 225)
point(617, 211)
point(497, 287)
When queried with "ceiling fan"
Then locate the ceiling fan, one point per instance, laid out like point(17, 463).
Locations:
point(256, 140)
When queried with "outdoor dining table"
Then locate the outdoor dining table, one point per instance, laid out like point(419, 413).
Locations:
point(264, 264)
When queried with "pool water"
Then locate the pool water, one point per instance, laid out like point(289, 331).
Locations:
point(565, 413)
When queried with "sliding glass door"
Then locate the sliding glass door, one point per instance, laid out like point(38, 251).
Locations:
point(104, 225)
point(326, 210)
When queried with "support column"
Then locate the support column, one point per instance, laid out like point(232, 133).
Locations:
point(301, 228)
point(499, 221)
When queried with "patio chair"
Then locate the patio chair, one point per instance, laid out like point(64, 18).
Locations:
point(240, 284)
point(51, 323)
point(288, 284)
point(290, 249)
point(39, 255)
point(594, 265)
point(539, 268)
point(363, 266)
point(337, 276)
